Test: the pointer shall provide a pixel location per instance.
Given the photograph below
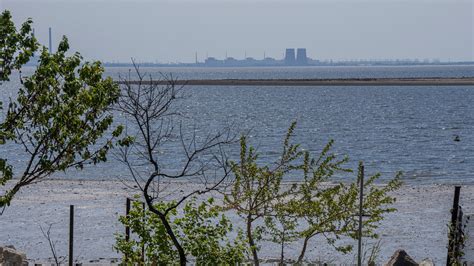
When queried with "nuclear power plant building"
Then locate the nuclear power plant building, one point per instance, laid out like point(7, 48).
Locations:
point(301, 58)
point(290, 58)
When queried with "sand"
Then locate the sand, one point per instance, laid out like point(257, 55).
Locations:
point(419, 226)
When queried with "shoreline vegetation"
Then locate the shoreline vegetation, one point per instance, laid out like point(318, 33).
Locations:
point(429, 81)
point(61, 119)
point(422, 209)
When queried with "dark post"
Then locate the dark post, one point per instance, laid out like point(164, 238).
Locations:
point(143, 244)
point(361, 198)
point(127, 229)
point(459, 230)
point(453, 227)
point(71, 235)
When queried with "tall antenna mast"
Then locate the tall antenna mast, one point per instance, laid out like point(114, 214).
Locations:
point(50, 42)
point(196, 57)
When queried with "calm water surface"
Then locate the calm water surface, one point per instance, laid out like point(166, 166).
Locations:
point(390, 128)
point(306, 72)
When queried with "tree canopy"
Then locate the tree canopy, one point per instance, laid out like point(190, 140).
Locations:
point(16, 46)
point(60, 114)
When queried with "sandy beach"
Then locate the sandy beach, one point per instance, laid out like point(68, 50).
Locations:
point(419, 226)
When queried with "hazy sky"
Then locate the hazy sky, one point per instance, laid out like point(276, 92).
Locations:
point(173, 30)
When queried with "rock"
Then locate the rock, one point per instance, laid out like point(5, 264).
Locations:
point(401, 258)
point(11, 257)
point(426, 262)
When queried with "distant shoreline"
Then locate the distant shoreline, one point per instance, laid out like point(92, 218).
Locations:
point(281, 64)
point(434, 81)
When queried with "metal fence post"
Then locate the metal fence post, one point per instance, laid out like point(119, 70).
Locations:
point(459, 231)
point(361, 199)
point(127, 229)
point(71, 235)
point(454, 216)
point(127, 212)
point(144, 224)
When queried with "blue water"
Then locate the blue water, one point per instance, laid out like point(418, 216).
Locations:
point(390, 128)
point(306, 72)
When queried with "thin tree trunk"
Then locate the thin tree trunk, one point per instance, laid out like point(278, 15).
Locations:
point(169, 230)
point(253, 247)
point(303, 250)
point(282, 258)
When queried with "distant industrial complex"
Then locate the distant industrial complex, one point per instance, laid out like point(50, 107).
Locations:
point(292, 57)
point(296, 57)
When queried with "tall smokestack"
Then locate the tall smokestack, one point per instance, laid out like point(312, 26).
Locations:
point(50, 42)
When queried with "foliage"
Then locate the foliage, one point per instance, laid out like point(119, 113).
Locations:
point(371, 253)
point(150, 105)
point(281, 228)
point(256, 188)
point(58, 117)
point(306, 209)
point(456, 242)
point(332, 211)
point(201, 229)
point(16, 46)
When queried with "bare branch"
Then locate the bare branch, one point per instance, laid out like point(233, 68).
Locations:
point(151, 107)
point(52, 244)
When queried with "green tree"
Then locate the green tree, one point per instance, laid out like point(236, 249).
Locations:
point(281, 227)
point(201, 229)
point(60, 114)
point(256, 188)
point(302, 210)
point(16, 47)
point(151, 106)
point(331, 211)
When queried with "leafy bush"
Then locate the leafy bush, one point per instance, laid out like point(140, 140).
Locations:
point(303, 210)
point(201, 228)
